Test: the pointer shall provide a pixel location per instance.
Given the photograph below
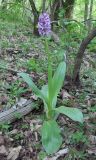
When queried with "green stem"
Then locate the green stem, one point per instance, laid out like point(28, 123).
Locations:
point(49, 77)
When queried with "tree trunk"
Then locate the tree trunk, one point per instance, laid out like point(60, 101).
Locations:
point(54, 10)
point(90, 16)
point(80, 54)
point(69, 7)
point(86, 12)
point(36, 15)
point(4, 4)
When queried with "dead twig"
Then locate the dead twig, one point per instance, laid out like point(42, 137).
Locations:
point(58, 154)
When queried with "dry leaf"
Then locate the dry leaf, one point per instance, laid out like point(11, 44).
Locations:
point(22, 102)
point(14, 131)
point(1, 140)
point(66, 95)
point(14, 153)
point(92, 150)
point(92, 139)
point(3, 151)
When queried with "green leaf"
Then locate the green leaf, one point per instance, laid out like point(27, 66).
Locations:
point(44, 90)
point(32, 85)
point(58, 79)
point(51, 138)
point(73, 113)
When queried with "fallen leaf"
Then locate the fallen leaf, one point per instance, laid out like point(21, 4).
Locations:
point(92, 150)
point(92, 139)
point(3, 151)
point(1, 140)
point(14, 153)
point(22, 102)
point(14, 131)
point(66, 95)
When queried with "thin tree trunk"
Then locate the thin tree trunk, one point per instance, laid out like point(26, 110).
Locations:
point(36, 15)
point(80, 54)
point(54, 10)
point(90, 16)
point(86, 12)
point(69, 7)
point(4, 4)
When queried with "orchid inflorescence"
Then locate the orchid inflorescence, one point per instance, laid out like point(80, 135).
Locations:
point(44, 24)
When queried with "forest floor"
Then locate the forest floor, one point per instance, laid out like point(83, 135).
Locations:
point(21, 51)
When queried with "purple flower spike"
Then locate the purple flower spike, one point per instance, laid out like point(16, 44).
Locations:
point(44, 25)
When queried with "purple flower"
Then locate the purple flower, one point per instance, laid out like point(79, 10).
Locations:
point(44, 25)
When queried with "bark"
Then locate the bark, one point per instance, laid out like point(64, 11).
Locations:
point(4, 4)
point(86, 12)
point(69, 7)
point(90, 16)
point(80, 55)
point(9, 116)
point(36, 15)
point(54, 10)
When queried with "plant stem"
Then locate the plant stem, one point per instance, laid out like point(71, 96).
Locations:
point(49, 78)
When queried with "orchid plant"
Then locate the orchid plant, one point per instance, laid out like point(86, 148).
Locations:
point(50, 132)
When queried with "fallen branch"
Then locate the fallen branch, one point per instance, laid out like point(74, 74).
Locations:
point(58, 154)
point(12, 114)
